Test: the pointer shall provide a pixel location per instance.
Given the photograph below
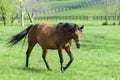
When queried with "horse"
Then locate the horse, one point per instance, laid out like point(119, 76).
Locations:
point(51, 37)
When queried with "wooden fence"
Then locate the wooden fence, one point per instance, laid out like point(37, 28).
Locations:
point(78, 18)
point(75, 18)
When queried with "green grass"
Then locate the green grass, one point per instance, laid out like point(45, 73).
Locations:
point(55, 4)
point(80, 22)
point(97, 10)
point(98, 58)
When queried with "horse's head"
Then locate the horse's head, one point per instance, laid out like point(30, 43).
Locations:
point(75, 31)
point(78, 35)
point(72, 31)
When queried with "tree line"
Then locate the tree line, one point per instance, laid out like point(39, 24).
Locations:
point(114, 8)
point(12, 9)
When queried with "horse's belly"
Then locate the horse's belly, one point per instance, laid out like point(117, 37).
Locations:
point(48, 44)
point(51, 46)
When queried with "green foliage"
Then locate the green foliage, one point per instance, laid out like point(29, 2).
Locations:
point(8, 8)
point(98, 58)
point(105, 23)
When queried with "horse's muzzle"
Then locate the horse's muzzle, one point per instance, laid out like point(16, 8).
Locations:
point(78, 45)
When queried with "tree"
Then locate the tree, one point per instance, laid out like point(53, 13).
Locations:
point(106, 11)
point(116, 10)
point(31, 6)
point(7, 10)
point(14, 10)
point(117, 3)
point(3, 11)
point(21, 13)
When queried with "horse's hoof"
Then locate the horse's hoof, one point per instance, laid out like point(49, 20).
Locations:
point(62, 70)
point(50, 69)
point(26, 67)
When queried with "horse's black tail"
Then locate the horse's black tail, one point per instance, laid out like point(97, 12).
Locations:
point(16, 38)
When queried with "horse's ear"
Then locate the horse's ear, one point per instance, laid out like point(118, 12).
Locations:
point(82, 27)
point(59, 25)
point(75, 25)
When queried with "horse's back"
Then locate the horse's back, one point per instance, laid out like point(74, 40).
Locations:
point(44, 35)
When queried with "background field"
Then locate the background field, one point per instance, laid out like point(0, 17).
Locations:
point(93, 10)
point(98, 58)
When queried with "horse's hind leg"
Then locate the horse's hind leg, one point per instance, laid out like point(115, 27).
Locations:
point(28, 52)
point(44, 53)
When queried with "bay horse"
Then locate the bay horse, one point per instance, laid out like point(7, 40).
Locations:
point(51, 37)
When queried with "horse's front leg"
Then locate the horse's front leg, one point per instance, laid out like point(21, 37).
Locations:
point(69, 52)
point(44, 53)
point(61, 58)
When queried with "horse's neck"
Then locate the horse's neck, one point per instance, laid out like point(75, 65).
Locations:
point(68, 37)
point(62, 37)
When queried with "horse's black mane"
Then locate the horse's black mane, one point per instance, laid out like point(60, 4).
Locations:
point(67, 26)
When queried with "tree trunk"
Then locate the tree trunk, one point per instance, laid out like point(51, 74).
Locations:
point(13, 18)
point(30, 17)
point(21, 14)
point(106, 11)
point(4, 20)
point(3, 15)
point(119, 19)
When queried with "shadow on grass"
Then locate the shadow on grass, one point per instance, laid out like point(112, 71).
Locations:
point(100, 46)
point(32, 69)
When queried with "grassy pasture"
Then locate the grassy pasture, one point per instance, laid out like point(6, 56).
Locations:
point(55, 4)
point(98, 58)
point(95, 10)
point(80, 22)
